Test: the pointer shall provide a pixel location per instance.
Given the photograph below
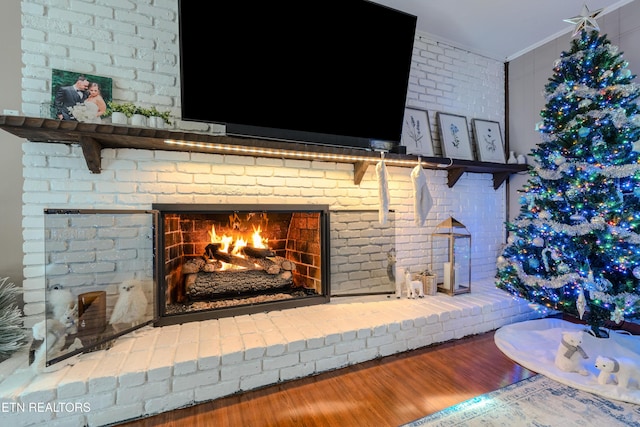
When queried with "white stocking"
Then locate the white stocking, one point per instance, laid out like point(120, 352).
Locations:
point(423, 201)
point(383, 189)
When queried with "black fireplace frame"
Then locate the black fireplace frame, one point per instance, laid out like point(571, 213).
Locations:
point(165, 319)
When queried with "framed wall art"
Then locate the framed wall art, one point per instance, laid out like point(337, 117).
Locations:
point(489, 141)
point(454, 136)
point(416, 133)
point(69, 88)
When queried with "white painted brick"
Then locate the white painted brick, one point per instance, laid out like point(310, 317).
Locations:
point(66, 420)
point(115, 413)
point(299, 370)
point(195, 380)
point(254, 346)
point(240, 370)
point(374, 342)
point(331, 363)
point(143, 392)
point(169, 402)
point(209, 354)
point(161, 364)
point(316, 354)
point(279, 362)
point(189, 333)
point(221, 389)
point(185, 361)
point(27, 418)
point(363, 355)
point(99, 401)
point(259, 380)
point(134, 370)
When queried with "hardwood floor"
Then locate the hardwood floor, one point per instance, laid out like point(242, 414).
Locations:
point(386, 392)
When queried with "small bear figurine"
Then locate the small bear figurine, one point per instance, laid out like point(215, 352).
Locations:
point(570, 354)
point(622, 369)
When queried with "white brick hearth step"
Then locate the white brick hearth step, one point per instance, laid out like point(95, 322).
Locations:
point(160, 369)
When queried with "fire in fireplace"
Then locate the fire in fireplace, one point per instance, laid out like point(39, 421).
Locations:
point(226, 260)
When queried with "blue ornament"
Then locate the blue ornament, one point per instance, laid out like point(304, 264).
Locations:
point(534, 263)
point(583, 132)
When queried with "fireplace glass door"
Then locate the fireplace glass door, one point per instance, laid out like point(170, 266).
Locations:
point(100, 280)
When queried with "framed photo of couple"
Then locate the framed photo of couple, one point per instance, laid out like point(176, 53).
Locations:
point(66, 92)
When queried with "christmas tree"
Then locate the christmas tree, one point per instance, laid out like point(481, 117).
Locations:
point(575, 245)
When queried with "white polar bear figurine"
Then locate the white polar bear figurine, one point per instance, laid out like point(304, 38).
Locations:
point(569, 355)
point(622, 369)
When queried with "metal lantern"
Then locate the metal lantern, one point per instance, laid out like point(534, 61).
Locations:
point(457, 264)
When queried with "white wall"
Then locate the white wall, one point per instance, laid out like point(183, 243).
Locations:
point(137, 45)
point(529, 73)
point(10, 164)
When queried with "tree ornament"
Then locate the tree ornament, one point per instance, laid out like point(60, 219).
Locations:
point(538, 241)
point(585, 103)
point(585, 21)
point(636, 272)
point(581, 303)
point(534, 263)
point(617, 315)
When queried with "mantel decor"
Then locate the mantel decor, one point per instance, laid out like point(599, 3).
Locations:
point(416, 133)
point(488, 141)
point(454, 136)
point(457, 266)
point(94, 137)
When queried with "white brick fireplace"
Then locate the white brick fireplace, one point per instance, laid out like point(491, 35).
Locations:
point(56, 177)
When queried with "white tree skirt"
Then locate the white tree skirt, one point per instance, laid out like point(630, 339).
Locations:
point(534, 343)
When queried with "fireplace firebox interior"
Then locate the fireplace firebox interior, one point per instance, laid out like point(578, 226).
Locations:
point(227, 260)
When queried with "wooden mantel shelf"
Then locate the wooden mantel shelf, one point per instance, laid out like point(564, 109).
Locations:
point(94, 137)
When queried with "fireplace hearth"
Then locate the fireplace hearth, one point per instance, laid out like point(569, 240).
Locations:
point(227, 260)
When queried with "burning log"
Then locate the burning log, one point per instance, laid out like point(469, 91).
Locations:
point(284, 263)
point(252, 252)
point(212, 252)
point(201, 286)
point(260, 259)
point(276, 264)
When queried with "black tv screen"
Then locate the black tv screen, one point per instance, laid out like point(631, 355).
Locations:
point(314, 71)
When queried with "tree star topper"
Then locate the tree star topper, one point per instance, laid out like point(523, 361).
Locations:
point(585, 21)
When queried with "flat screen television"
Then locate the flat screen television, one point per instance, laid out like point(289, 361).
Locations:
point(314, 71)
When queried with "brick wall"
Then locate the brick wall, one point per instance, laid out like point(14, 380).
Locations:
point(136, 43)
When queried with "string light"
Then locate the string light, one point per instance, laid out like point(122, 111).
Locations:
point(270, 152)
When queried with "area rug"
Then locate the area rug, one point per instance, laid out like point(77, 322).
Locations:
point(534, 344)
point(537, 401)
